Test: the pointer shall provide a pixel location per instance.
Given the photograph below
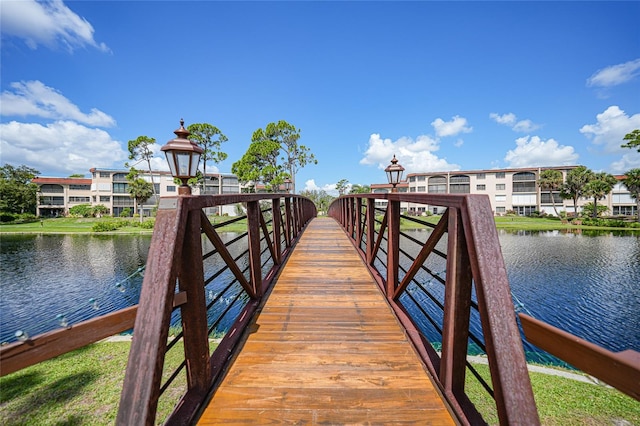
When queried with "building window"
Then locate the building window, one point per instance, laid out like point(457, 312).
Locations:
point(624, 211)
point(105, 198)
point(79, 199)
point(501, 198)
point(421, 178)
point(120, 188)
point(481, 176)
point(524, 182)
point(437, 185)
point(481, 187)
point(546, 199)
point(501, 209)
point(122, 201)
point(52, 201)
point(52, 189)
point(120, 177)
point(105, 174)
point(499, 175)
point(459, 184)
point(421, 189)
point(76, 187)
point(412, 179)
point(412, 189)
point(500, 186)
point(524, 210)
point(171, 188)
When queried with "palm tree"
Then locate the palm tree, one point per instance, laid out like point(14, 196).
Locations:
point(139, 189)
point(632, 182)
point(551, 180)
point(573, 188)
point(598, 188)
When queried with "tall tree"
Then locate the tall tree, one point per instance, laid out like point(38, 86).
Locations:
point(319, 197)
point(17, 193)
point(360, 189)
point(140, 150)
point(342, 186)
point(573, 187)
point(551, 180)
point(273, 156)
point(260, 164)
point(632, 182)
point(139, 189)
point(210, 139)
point(633, 138)
point(598, 187)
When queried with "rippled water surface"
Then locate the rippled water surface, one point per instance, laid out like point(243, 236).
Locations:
point(587, 285)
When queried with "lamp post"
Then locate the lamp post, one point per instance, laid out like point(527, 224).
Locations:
point(394, 173)
point(287, 185)
point(183, 157)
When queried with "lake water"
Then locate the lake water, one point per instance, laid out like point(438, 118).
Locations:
point(587, 285)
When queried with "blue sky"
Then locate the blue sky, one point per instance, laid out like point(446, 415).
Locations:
point(442, 85)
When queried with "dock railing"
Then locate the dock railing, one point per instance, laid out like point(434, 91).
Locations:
point(453, 284)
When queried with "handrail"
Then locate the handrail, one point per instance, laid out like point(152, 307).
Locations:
point(618, 369)
point(175, 266)
point(473, 260)
point(175, 280)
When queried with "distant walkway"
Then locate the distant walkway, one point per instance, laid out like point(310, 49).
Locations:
point(326, 349)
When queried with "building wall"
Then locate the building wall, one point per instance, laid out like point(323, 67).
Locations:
point(508, 190)
point(108, 187)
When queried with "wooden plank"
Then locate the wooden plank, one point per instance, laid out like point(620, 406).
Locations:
point(326, 348)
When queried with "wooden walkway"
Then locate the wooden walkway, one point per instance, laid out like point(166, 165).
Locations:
point(326, 349)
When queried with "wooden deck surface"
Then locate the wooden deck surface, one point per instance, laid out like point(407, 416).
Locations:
point(326, 349)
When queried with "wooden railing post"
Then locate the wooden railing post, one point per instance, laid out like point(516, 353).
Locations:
point(358, 222)
point(457, 308)
point(288, 220)
point(393, 246)
point(371, 229)
point(141, 387)
point(277, 230)
point(253, 228)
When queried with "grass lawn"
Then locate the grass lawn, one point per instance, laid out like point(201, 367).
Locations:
point(83, 388)
point(563, 401)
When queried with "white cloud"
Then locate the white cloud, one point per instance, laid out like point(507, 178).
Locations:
point(627, 162)
point(63, 147)
point(615, 74)
point(33, 98)
point(451, 128)
point(511, 120)
point(48, 23)
point(330, 188)
point(414, 156)
point(610, 129)
point(533, 151)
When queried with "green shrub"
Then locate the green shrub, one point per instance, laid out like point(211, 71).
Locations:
point(104, 226)
point(7, 217)
point(148, 224)
point(81, 210)
point(126, 212)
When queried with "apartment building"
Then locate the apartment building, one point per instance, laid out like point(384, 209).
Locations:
point(509, 190)
point(57, 195)
point(109, 187)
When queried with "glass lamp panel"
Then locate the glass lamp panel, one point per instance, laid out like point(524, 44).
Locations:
point(172, 163)
point(183, 160)
point(195, 160)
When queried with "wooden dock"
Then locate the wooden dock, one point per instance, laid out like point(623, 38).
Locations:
point(326, 349)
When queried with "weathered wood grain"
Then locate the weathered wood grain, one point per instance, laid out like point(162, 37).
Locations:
point(326, 349)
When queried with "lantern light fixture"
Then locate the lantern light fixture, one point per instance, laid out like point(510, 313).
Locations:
point(183, 157)
point(394, 173)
